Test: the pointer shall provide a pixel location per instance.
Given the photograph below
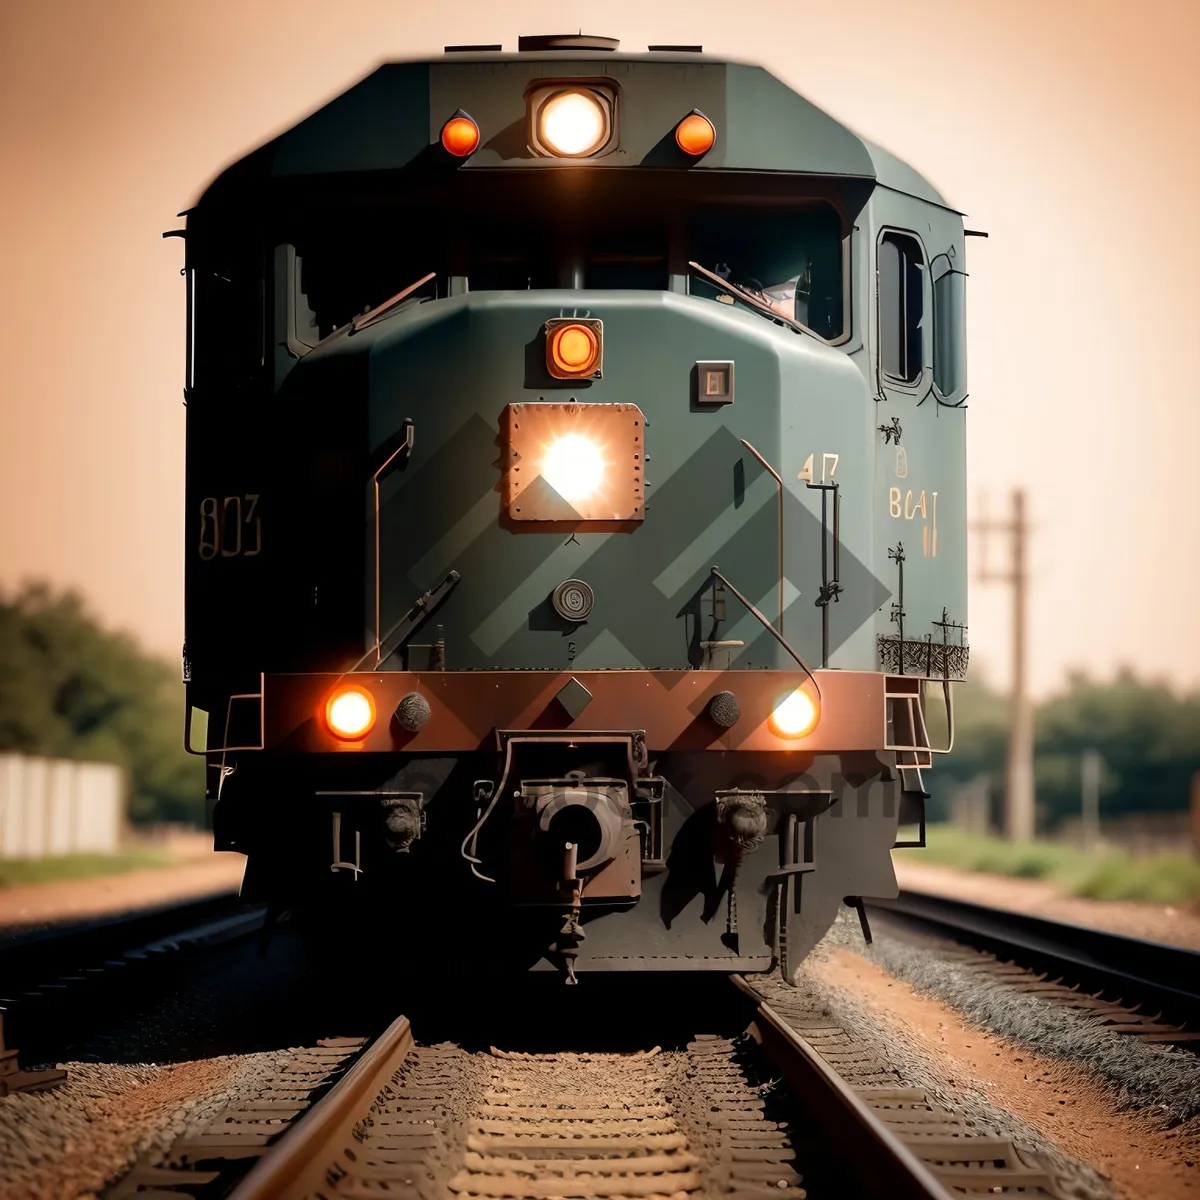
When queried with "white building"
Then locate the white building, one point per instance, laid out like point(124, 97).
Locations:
point(53, 807)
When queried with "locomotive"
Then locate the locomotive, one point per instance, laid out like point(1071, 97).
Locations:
point(576, 565)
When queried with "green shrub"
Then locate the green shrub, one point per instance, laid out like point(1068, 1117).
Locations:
point(77, 866)
point(1109, 875)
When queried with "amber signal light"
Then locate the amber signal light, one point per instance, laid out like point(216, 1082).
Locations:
point(695, 134)
point(460, 135)
point(573, 349)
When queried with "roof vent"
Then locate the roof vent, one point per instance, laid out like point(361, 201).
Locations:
point(566, 41)
point(675, 49)
point(471, 49)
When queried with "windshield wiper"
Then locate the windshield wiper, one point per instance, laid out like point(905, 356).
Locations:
point(422, 609)
point(366, 318)
point(760, 302)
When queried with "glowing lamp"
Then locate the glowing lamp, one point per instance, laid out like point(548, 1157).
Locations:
point(574, 467)
point(695, 134)
point(573, 349)
point(350, 712)
point(794, 715)
point(573, 124)
point(573, 462)
point(460, 135)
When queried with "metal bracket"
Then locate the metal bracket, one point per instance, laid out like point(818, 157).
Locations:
point(337, 865)
point(649, 794)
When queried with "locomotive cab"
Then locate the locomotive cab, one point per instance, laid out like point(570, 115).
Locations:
point(575, 507)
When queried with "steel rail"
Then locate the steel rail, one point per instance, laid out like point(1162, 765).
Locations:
point(1139, 971)
point(871, 1153)
point(297, 1164)
point(48, 972)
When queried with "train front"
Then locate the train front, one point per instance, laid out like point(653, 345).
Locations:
point(531, 583)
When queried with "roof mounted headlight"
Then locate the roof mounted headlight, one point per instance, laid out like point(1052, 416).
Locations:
point(571, 120)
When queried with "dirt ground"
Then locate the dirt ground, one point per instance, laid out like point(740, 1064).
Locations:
point(1068, 1105)
point(1155, 922)
point(199, 872)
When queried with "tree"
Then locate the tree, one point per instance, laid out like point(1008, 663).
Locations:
point(71, 689)
point(1148, 736)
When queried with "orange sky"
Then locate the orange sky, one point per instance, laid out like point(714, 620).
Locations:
point(1068, 130)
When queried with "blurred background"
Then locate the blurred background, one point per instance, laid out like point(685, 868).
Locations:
point(1065, 131)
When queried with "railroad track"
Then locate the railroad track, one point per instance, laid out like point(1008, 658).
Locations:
point(75, 975)
point(439, 1121)
point(428, 1121)
point(1132, 986)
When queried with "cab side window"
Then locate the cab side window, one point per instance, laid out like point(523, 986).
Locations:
point(228, 316)
point(900, 279)
point(949, 329)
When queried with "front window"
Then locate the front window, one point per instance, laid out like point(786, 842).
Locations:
point(793, 260)
point(631, 241)
point(900, 278)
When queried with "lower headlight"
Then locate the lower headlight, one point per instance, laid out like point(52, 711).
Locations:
point(795, 715)
point(350, 712)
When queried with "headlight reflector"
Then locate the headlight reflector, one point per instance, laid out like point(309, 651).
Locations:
point(794, 715)
point(350, 712)
point(573, 123)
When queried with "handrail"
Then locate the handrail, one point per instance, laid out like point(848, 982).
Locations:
point(779, 481)
point(768, 627)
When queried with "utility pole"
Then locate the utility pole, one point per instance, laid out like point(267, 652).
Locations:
point(1091, 768)
point(1018, 776)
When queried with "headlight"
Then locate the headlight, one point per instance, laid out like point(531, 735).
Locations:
point(574, 467)
point(574, 123)
point(573, 462)
point(794, 715)
point(350, 712)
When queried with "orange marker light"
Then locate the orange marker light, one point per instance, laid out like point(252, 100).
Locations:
point(460, 135)
point(350, 712)
point(695, 134)
point(572, 351)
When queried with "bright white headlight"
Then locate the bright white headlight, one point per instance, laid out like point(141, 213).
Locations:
point(573, 124)
point(573, 467)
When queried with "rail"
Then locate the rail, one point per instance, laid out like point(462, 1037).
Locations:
point(881, 1162)
point(1143, 972)
point(61, 975)
point(297, 1163)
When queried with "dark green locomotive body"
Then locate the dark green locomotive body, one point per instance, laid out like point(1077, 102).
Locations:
point(581, 613)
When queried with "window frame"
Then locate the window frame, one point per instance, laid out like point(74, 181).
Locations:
point(922, 380)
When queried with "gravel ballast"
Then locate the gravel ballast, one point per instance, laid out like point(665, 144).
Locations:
point(1147, 1075)
point(72, 1141)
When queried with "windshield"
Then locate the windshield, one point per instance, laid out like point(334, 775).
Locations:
point(790, 263)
